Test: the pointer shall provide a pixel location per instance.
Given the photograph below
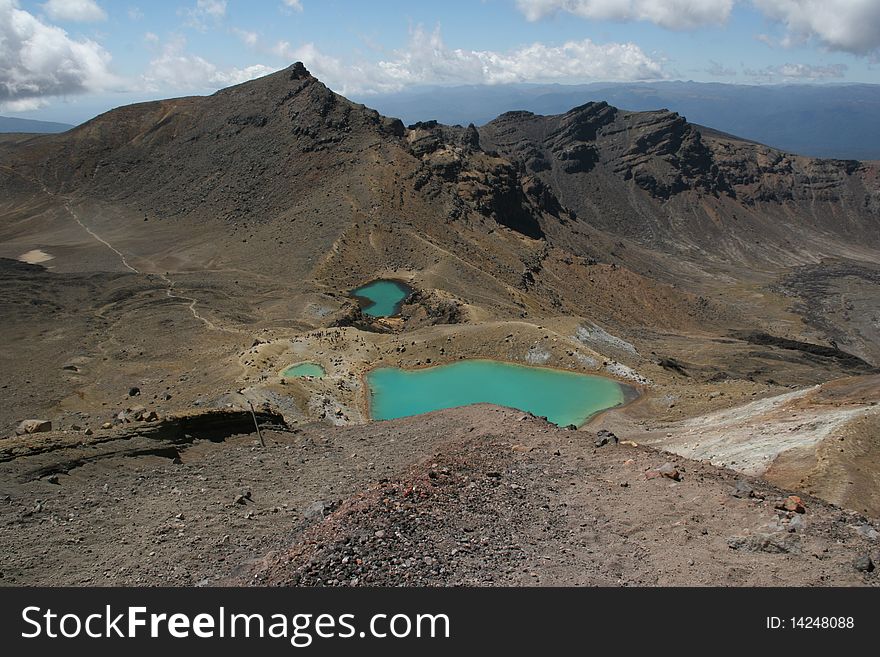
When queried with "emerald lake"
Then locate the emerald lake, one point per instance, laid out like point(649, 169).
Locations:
point(304, 369)
point(562, 397)
point(381, 298)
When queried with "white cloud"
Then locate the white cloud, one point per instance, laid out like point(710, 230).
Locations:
point(203, 13)
point(427, 60)
point(24, 105)
point(135, 14)
point(75, 10)
point(788, 72)
point(295, 5)
point(177, 70)
point(673, 14)
point(848, 25)
point(250, 39)
point(215, 8)
point(39, 60)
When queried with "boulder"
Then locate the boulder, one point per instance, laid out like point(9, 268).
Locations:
point(605, 437)
point(33, 426)
point(867, 531)
point(792, 503)
point(670, 471)
point(135, 413)
point(864, 564)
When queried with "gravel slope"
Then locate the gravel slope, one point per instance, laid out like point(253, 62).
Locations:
point(474, 496)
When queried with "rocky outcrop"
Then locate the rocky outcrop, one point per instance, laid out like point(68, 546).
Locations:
point(454, 166)
point(33, 426)
point(659, 151)
point(674, 186)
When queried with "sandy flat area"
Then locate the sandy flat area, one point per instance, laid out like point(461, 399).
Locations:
point(35, 257)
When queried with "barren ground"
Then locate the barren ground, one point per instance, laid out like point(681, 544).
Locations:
point(480, 495)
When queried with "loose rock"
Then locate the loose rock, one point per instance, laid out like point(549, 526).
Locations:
point(792, 503)
point(33, 426)
point(669, 471)
point(605, 437)
point(864, 564)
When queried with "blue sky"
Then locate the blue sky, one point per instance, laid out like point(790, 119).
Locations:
point(67, 60)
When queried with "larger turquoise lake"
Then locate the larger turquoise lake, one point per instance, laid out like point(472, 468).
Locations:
point(562, 397)
point(381, 298)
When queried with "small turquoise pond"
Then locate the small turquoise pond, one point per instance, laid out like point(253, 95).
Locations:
point(381, 298)
point(304, 369)
point(562, 397)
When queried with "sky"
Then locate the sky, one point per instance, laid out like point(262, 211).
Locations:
point(68, 60)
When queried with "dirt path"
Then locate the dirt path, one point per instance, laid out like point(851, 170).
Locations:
point(192, 302)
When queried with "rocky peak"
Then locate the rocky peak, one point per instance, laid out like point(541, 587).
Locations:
point(471, 138)
point(298, 71)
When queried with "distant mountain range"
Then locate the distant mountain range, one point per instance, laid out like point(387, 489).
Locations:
point(836, 121)
point(11, 124)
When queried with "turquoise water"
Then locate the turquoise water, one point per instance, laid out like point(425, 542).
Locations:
point(562, 397)
point(304, 369)
point(381, 298)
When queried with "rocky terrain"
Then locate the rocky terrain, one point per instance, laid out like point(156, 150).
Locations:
point(168, 260)
point(473, 496)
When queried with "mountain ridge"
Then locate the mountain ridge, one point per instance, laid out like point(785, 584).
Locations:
point(290, 111)
point(820, 120)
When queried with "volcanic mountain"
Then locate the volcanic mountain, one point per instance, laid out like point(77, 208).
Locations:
point(168, 260)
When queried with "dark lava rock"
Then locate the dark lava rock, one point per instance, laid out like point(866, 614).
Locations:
point(471, 138)
point(864, 564)
point(298, 71)
point(765, 339)
point(134, 391)
point(605, 437)
point(672, 365)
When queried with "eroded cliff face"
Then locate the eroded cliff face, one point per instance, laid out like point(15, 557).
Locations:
point(659, 151)
point(451, 161)
point(664, 155)
point(758, 173)
point(669, 184)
